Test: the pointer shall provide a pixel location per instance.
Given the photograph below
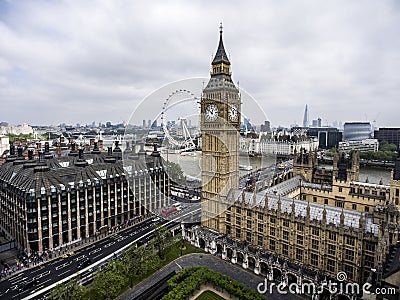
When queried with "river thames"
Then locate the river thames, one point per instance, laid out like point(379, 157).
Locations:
point(191, 165)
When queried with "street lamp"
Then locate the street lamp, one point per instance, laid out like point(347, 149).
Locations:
point(182, 235)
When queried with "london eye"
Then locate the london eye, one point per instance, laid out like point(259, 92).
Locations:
point(184, 142)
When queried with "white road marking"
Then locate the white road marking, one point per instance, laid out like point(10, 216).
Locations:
point(122, 238)
point(80, 258)
point(179, 266)
point(64, 265)
point(43, 274)
point(94, 257)
point(19, 280)
point(39, 269)
point(20, 274)
point(17, 295)
point(38, 288)
point(109, 244)
point(46, 281)
point(63, 273)
point(94, 251)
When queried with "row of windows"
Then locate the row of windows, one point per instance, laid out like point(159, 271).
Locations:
point(367, 192)
point(349, 240)
point(338, 203)
point(315, 243)
point(314, 258)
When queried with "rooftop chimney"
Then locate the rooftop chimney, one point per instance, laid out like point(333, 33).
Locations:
point(59, 149)
point(80, 153)
point(46, 147)
point(19, 151)
point(110, 158)
point(96, 148)
point(30, 154)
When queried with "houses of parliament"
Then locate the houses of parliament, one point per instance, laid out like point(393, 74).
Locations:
point(307, 228)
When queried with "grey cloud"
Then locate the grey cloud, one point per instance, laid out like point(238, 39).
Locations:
point(94, 60)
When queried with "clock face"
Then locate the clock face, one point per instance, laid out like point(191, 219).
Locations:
point(211, 112)
point(233, 112)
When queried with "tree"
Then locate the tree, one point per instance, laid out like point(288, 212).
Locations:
point(331, 152)
point(162, 237)
point(108, 283)
point(138, 261)
point(175, 172)
point(385, 146)
point(132, 260)
point(69, 290)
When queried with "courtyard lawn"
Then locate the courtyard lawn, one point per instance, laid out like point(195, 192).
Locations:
point(209, 295)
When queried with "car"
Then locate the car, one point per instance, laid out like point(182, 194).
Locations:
point(25, 285)
point(84, 263)
point(68, 254)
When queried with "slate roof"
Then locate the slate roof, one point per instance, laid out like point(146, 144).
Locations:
point(46, 174)
point(286, 186)
point(221, 56)
point(333, 214)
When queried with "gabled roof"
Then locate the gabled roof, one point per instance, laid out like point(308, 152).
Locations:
point(269, 201)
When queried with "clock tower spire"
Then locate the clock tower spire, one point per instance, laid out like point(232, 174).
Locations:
point(221, 66)
point(220, 123)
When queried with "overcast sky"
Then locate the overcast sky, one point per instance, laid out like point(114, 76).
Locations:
point(84, 61)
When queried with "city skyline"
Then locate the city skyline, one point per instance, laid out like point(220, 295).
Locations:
point(74, 63)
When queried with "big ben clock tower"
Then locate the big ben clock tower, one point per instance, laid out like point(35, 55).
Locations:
point(220, 123)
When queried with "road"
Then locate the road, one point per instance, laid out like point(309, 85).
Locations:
point(267, 173)
point(64, 269)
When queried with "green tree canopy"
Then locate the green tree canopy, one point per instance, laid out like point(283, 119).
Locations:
point(69, 290)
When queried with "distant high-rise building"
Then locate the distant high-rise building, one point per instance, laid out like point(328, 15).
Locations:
point(390, 135)
point(328, 137)
point(266, 127)
point(149, 123)
point(305, 118)
point(317, 122)
point(144, 124)
point(357, 131)
point(248, 127)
